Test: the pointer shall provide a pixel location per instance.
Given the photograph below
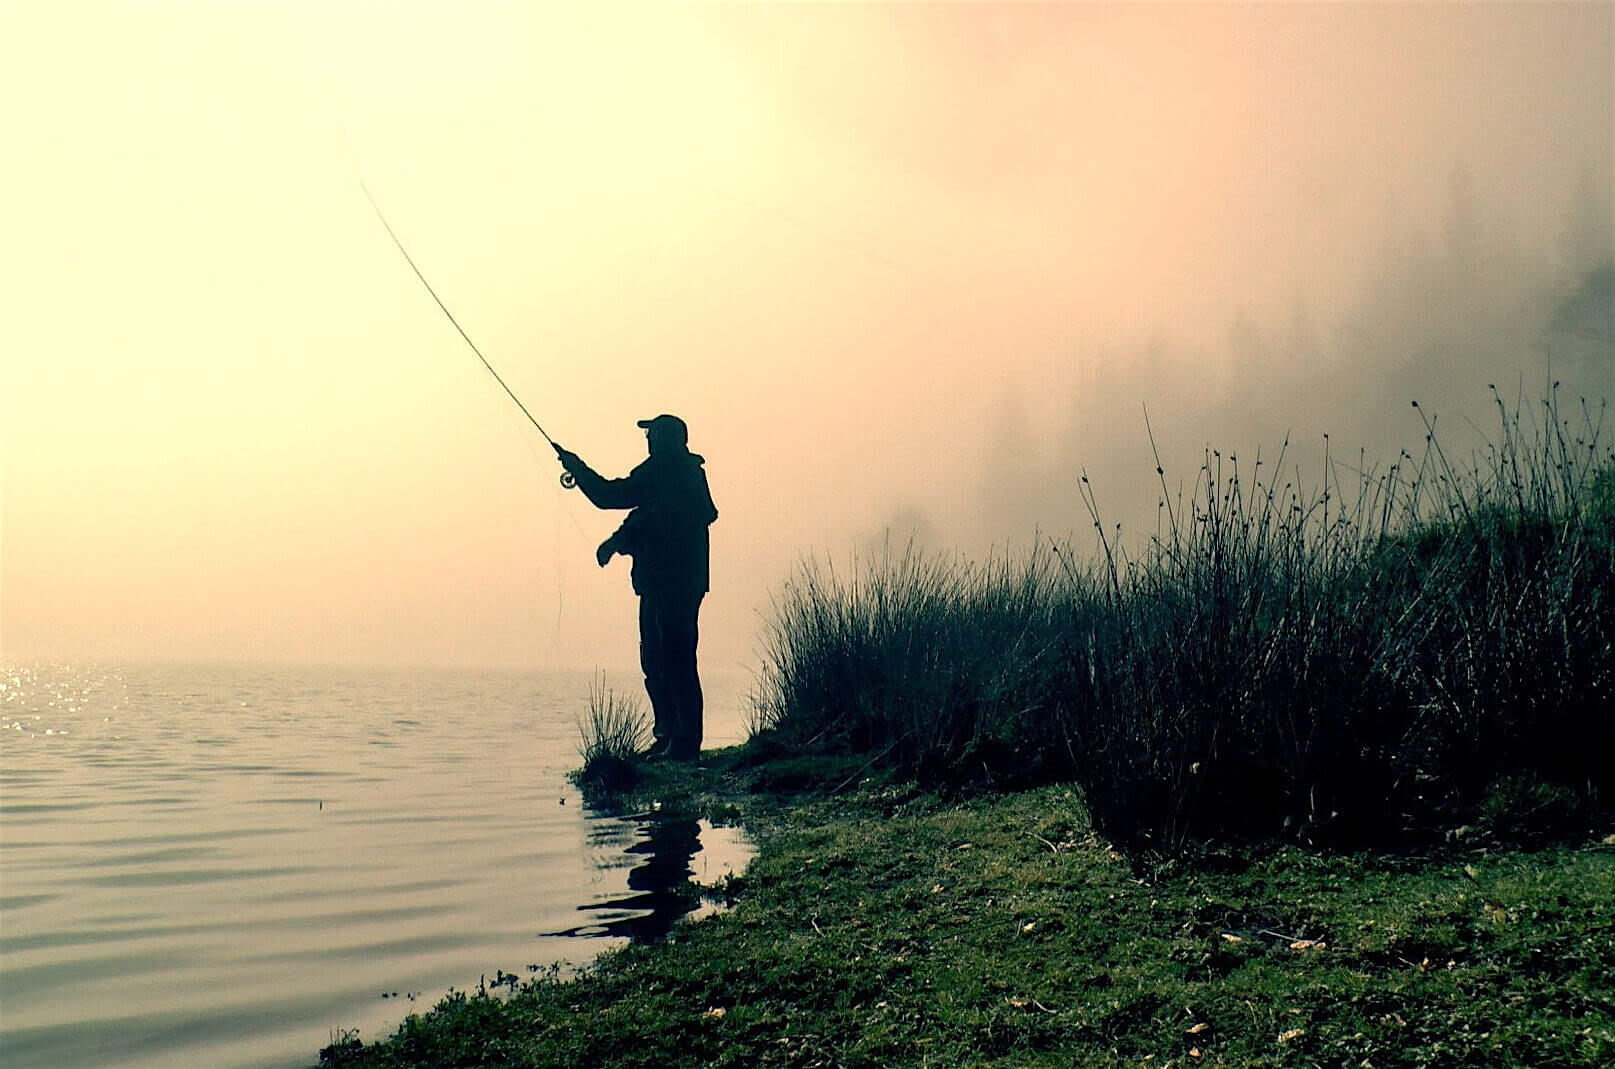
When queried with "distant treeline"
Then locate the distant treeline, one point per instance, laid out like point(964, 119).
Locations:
point(1394, 653)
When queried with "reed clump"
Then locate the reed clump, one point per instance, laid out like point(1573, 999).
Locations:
point(612, 740)
point(1376, 657)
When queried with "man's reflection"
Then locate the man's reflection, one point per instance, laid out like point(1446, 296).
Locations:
point(661, 882)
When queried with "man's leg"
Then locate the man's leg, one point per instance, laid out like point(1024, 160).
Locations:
point(653, 662)
point(681, 632)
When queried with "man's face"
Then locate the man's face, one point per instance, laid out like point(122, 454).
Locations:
point(661, 440)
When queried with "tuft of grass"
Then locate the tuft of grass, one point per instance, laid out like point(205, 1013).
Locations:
point(1356, 663)
point(611, 742)
point(926, 664)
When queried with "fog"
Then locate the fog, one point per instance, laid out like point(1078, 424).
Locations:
point(902, 268)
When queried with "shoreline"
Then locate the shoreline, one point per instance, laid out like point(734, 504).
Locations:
point(883, 925)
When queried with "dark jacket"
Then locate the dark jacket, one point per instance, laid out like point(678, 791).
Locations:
point(666, 533)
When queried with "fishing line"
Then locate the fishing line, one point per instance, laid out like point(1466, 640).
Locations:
point(582, 536)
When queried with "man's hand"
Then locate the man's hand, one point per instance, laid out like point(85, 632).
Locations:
point(607, 550)
point(569, 460)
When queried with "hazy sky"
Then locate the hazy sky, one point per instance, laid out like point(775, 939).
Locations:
point(897, 266)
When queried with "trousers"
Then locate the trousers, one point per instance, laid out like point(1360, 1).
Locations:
point(668, 632)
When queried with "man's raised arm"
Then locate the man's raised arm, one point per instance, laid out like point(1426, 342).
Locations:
point(603, 493)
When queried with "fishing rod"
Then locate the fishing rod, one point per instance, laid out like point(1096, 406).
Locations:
point(566, 477)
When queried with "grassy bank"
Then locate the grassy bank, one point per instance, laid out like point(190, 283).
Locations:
point(884, 927)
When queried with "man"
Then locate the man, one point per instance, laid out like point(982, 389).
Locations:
point(666, 535)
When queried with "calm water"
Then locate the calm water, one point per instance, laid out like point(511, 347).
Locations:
point(229, 866)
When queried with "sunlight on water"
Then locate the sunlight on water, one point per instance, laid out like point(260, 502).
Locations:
point(229, 866)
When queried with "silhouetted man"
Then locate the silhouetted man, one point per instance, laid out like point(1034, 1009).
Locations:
point(666, 535)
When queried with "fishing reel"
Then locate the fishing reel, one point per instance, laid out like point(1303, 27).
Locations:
point(568, 480)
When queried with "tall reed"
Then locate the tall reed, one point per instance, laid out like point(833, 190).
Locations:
point(1368, 656)
point(931, 663)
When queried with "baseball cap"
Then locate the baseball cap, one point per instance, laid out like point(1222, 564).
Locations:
point(666, 426)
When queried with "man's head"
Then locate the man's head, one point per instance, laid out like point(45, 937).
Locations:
point(665, 433)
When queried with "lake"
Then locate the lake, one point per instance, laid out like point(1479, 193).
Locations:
point(230, 866)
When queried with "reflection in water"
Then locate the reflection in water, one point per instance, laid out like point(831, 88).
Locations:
point(661, 891)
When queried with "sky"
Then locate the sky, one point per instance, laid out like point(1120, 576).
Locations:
point(904, 269)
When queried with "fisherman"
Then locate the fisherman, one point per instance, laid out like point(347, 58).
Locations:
point(666, 535)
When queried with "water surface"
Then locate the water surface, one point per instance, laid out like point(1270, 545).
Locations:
point(230, 866)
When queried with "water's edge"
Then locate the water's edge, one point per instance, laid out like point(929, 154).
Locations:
point(232, 866)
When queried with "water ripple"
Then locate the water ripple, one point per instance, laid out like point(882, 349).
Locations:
point(223, 866)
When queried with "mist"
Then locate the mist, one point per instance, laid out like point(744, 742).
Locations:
point(904, 270)
point(1448, 317)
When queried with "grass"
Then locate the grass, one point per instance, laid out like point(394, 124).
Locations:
point(1363, 662)
point(611, 743)
point(888, 927)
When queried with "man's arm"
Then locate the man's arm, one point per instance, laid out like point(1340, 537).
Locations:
point(602, 493)
point(709, 511)
point(621, 541)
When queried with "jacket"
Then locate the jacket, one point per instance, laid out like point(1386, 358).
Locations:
point(666, 531)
